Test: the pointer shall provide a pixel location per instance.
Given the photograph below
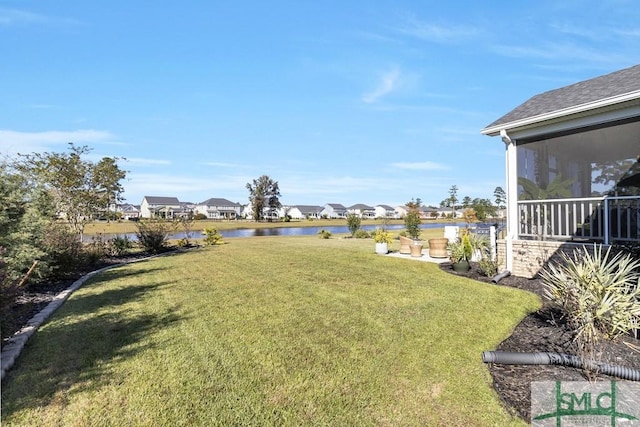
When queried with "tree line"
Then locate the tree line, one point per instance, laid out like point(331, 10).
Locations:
point(46, 199)
point(483, 208)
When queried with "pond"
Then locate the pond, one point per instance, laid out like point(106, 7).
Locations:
point(287, 231)
point(308, 231)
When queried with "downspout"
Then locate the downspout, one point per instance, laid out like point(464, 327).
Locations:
point(512, 196)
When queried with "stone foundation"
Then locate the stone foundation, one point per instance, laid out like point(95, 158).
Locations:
point(530, 256)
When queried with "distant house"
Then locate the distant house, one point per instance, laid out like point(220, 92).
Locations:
point(305, 211)
point(334, 210)
point(449, 213)
point(216, 208)
point(362, 210)
point(385, 211)
point(428, 212)
point(128, 211)
point(401, 211)
point(267, 212)
point(161, 207)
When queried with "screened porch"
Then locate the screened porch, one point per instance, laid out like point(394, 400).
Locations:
point(582, 186)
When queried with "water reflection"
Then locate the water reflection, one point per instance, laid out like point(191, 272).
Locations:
point(286, 231)
point(307, 231)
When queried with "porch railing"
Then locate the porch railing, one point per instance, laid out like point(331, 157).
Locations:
point(601, 219)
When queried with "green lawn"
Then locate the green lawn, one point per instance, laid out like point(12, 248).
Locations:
point(268, 331)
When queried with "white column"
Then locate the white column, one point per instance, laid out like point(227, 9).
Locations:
point(512, 201)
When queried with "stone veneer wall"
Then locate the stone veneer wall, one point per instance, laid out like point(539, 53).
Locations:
point(529, 256)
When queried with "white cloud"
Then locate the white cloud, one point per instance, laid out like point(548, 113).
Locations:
point(631, 33)
point(388, 82)
point(419, 166)
point(440, 33)
point(13, 16)
point(185, 188)
point(12, 142)
point(146, 162)
point(223, 165)
point(18, 17)
point(551, 51)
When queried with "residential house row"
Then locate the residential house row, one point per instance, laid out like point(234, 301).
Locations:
point(223, 209)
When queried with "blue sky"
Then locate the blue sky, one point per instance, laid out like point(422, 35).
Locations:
point(374, 102)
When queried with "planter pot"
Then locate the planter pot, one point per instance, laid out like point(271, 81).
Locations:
point(438, 247)
point(461, 266)
point(416, 250)
point(382, 248)
point(405, 245)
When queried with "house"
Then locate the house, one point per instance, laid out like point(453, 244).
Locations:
point(128, 211)
point(334, 210)
point(268, 213)
point(401, 211)
point(428, 212)
point(362, 210)
point(162, 207)
point(385, 211)
point(305, 211)
point(218, 209)
point(446, 212)
point(570, 159)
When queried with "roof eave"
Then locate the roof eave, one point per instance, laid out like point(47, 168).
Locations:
point(571, 111)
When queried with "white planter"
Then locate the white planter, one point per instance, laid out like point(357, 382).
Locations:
point(382, 248)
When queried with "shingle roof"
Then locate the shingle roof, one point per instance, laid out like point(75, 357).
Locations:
point(308, 208)
point(219, 202)
point(337, 206)
point(159, 200)
point(610, 85)
point(360, 206)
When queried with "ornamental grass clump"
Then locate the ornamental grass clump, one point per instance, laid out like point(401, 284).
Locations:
point(599, 291)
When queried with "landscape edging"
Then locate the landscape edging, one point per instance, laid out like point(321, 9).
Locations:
point(16, 343)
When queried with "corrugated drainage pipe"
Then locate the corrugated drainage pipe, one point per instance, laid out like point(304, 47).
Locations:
point(545, 358)
point(501, 276)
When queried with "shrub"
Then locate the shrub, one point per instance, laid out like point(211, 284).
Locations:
point(382, 236)
point(153, 234)
point(479, 243)
point(119, 245)
point(353, 223)
point(324, 234)
point(600, 293)
point(212, 237)
point(199, 217)
point(412, 223)
point(96, 249)
point(361, 234)
point(488, 267)
point(64, 251)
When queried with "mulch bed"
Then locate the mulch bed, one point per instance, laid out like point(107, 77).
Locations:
point(544, 330)
point(31, 299)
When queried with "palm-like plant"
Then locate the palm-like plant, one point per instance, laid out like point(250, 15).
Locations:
point(599, 291)
point(556, 189)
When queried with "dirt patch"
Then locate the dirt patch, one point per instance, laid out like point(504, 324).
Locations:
point(545, 330)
